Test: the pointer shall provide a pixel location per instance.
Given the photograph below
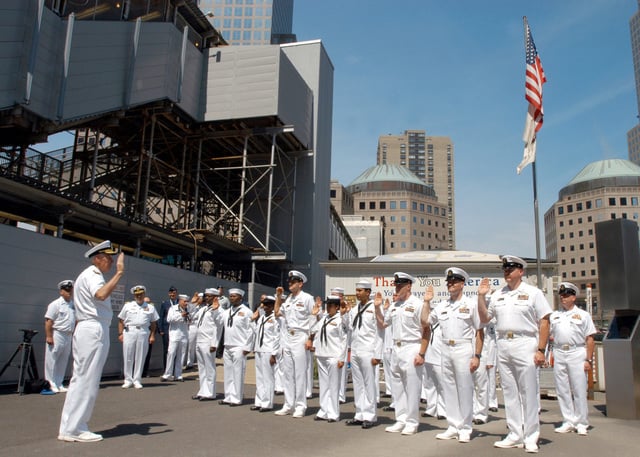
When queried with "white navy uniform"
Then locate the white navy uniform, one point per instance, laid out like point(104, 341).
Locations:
point(193, 334)
point(485, 377)
point(458, 321)
point(366, 344)
point(266, 345)
point(279, 375)
point(330, 343)
point(238, 342)
point(518, 313)
point(569, 330)
point(56, 356)
point(135, 339)
point(404, 319)
point(433, 374)
point(178, 336)
point(208, 334)
point(298, 318)
point(90, 350)
point(386, 361)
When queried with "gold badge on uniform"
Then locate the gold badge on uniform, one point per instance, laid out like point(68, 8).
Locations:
point(576, 316)
point(410, 309)
point(523, 297)
point(463, 310)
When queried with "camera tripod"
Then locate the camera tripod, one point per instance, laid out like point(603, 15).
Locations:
point(27, 360)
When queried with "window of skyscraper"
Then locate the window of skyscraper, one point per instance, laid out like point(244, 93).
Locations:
point(598, 203)
point(236, 35)
point(560, 210)
point(414, 206)
point(372, 205)
point(247, 23)
point(634, 201)
point(588, 204)
point(403, 204)
point(237, 11)
point(248, 11)
point(403, 245)
point(383, 205)
point(392, 204)
point(246, 35)
point(227, 23)
point(362, 205)
point(237, 23)
point(392, 218)
point(612, 201)
point(403, 218)
point(258, 23)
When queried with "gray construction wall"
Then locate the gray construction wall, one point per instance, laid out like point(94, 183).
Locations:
point(31, 266)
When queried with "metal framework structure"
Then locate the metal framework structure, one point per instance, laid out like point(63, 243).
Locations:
point(202, 196)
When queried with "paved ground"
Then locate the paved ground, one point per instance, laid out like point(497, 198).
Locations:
point(162, 420)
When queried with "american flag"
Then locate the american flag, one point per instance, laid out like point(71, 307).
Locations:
point(534, 79)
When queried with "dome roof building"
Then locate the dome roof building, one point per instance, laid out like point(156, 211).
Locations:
point(408, 209)
point(602, 190)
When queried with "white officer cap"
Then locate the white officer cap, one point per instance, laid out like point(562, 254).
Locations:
point(456, 273)
point(337, 291)
point(269, 300)
point(333, 300)
point(183, 297)
point(295, 274)
point(568, 288)
point(102, 248)
point(200, 294)
point(66, 284)
point(364, 284)
point(212, 291)
point(236, 292)
point(139, 289)
point(513, 261)
point(401, 278)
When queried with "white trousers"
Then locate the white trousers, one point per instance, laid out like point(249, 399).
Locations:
point(343, 382)
point(191, 346)
point(571, 385)
point(329, 381)
point(481, 393)
point(90, 350)
point(364, 386)
point(519, 376)
point(309, 388)
point(457, 385)
point(491, 389)
point(206, 370)
point(265, 380)
point(386, 366)
point(433, 387)
point(175, 355)
point(56, 357)
point(407, 383)
point(135, 344)
point(279, 373)
point(294, 364)
point(235, 365)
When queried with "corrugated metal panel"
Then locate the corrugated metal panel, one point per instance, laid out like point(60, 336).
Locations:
point(12, 34)
point(295, 104)
point(244, 83)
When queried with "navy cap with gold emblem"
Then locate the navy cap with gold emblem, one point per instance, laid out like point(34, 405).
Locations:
point(403, 278)
point(295, 275)
point(102, 248)
point(511, 261)
point(567, 288)
point(269, 300)
point(456, 273)
point(66, 284)
point(139, 289)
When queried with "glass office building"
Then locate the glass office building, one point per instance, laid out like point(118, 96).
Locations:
point(251, 22)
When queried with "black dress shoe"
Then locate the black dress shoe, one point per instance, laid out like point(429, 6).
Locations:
point(331, 420)
point(493, 410)
point(233, 405)
point(265, 410)
point(353, 422)
point(255, 408)
point(388, 408)
point(441, 418)
point(222, 402)
point(367, 424)
point(195, 397)
point(426, 414)
point(207, 399)
point(478, 421)
point(318, 418)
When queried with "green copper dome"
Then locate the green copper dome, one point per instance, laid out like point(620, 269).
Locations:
point(603, 173)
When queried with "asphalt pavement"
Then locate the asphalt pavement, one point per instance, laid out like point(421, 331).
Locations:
point(162, 420)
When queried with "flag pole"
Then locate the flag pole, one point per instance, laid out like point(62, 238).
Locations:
point(535, 190)
point(537, 225)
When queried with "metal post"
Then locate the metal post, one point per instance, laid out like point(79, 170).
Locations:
point(94, 165)
point(145, 196)
point(537, 225)
point(242, 189)
point(267, 234)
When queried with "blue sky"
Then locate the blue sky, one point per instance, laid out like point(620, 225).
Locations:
point(456, 68)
